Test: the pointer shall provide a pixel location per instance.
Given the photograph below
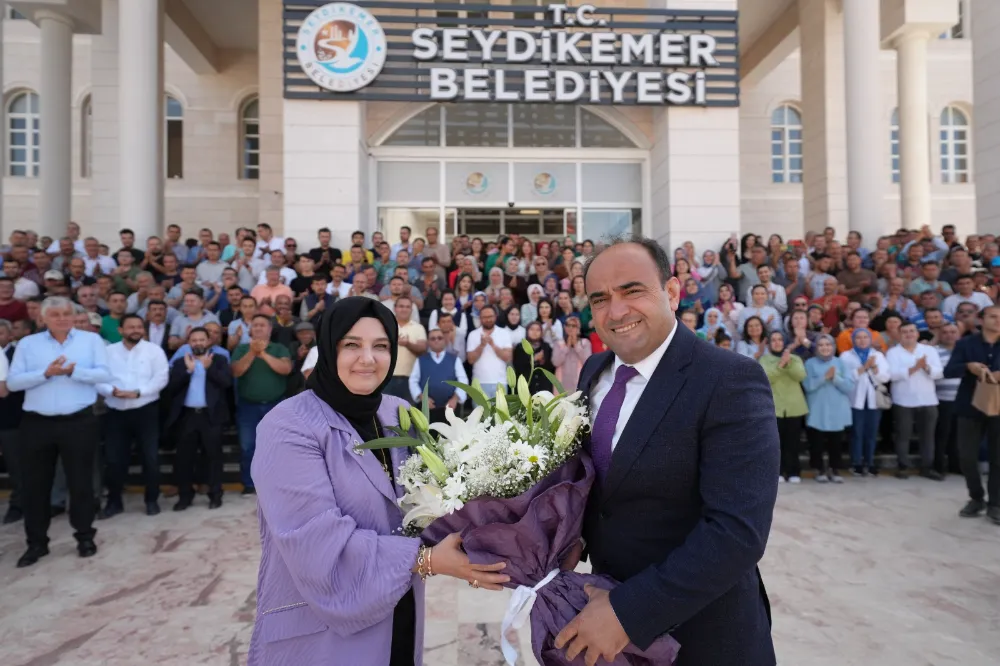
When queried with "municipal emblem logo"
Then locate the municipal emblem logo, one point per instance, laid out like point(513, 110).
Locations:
point(545, 183)
point(477, 183)
point(341, 47)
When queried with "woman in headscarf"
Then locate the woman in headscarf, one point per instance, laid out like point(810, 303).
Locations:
point(336, 575)
point(801, 340)
point(713, 323)
point(495, 285)
point(513, 324)
point(570, 354)
point(551, 286)
point(505, 305)
point(828, 389)
point(478, 303)
point(730, 309)
point(870, 371)
point(694, 297)
point(786, 371)
point(513, 280)
point(529, 311)
point(542, 353)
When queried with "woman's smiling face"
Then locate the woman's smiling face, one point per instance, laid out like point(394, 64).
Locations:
point(364, 356)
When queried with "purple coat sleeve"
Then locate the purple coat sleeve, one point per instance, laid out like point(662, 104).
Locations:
point(352, 578)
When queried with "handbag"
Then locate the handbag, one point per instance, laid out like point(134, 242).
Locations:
point(883, 399)
point(986, 398)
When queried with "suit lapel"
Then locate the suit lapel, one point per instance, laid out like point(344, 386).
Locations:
point(657, 397)
point(367, 459)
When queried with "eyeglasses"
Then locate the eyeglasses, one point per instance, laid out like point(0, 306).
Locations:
point(291, 245)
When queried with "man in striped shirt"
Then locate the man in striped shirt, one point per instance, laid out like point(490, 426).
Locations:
point(946, 442)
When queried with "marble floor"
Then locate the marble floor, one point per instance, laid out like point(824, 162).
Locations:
point(876, 571)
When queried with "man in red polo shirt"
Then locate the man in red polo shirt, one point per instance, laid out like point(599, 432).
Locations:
point(11, 309)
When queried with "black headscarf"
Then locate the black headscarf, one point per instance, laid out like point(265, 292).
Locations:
point(359, 410)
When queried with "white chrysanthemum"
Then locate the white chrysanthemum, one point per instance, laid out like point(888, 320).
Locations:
point(413, 471)
point(454, 490)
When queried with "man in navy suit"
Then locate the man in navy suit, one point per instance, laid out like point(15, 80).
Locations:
point(685, 445)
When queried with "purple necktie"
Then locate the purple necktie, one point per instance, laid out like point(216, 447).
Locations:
point(603, 432)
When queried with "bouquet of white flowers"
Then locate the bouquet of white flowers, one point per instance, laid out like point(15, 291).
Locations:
point(513, 481)
point(502, 449)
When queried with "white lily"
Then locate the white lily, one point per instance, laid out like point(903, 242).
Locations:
point(458, 431)
point(423, 505)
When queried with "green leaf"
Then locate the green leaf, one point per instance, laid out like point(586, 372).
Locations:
point(425, 405)
point(544, 416)
point(399, 431)
point(476, 393)
point(390, 443)
point(556, 384)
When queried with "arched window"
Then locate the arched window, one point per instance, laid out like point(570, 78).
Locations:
point(86, 138)
point(505, 125)
point(23, 135)
point(173, 138)
point(786, 145)
point(894, 144)
point(954, 146)
point(250, 140)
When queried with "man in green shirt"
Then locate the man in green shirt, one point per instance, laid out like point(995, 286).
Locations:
point(126, 272)
point(262, 368)
point(117, 303)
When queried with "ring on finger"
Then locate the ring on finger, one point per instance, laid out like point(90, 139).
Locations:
point(474, 584)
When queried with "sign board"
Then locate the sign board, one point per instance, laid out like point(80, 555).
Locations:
point(453, 52)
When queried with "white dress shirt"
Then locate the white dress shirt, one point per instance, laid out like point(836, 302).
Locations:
point(158, 333)
point(276, 243)
point(4, 366)
point(918, 389)
point(417, 389)
point(634, 388)
point(143, 368)
point(286, 273)
point(107, 265)
point(342, 290)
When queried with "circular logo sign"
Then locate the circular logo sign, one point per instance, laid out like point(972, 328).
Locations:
point(476, 183)
point(341, 47)
point(545, 183)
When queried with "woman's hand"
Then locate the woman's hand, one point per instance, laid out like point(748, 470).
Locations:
point(448, 559)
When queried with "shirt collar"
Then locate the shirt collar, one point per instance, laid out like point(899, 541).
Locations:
point(647, 366)
point(69, 336)
point(437, 356)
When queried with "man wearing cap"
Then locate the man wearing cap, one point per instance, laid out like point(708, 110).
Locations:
point(55, 283)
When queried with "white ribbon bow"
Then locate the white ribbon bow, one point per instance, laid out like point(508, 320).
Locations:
point(518, 611)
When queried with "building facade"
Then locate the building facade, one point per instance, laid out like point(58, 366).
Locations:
point(176, 112)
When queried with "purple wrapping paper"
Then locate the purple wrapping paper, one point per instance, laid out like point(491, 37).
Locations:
point(533, 533)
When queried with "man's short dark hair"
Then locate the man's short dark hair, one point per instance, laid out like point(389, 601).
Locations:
point(199, 329)
point(964, 276)
point(905, 324)
point(396, 277)
point(427, 260)
point(358, 245)
point(187, 266)
point(150, 304)
point(122, 233)
point(932, 262)
point(319, 277)
point(403, 297)
point(4, 278)
point(358, 233)
point(405, 227)
point(261, 316)
point(264, 225)
point(489, 307)
point(323, 230)
point(197, 291)
point(655, 250)
point(118, 293)
point(126, 317)
point(215, 243)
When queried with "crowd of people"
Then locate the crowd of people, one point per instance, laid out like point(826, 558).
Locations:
point(164, 348)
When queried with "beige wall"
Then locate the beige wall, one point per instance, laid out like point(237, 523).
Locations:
point(986, 70)
point(210, 194)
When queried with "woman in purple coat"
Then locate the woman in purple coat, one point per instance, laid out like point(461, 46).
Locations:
point(338, 582)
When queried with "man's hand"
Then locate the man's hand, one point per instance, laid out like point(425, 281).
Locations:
point(302, 352)
point(56, 368)
point(321, 305)
point(596, 631)
point(238, 333)
point(258, 347)
point(430, 403)
point(206, 360)
point(978, 369)
point(453, 402)
point(189, 362)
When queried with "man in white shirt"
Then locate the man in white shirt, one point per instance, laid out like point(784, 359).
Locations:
point(94, 262)
point(139, 372)
point(489, 349)
point(966, 293)
point(286, 274)
point(337, 286)
point(267, 240)
point(914, 368)
point(776, 296)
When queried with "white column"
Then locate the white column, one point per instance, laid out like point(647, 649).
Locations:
point(55, 95)
point(140, 116)
point(914, 131)
point(865, 131)
point(3, 130)
point(985, 22)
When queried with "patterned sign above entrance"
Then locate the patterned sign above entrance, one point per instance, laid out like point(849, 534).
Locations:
point(471, 52)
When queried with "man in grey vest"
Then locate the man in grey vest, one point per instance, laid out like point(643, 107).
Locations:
point(433, 368)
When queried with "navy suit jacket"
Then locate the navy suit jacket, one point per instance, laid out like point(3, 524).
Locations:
point(684, 514)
